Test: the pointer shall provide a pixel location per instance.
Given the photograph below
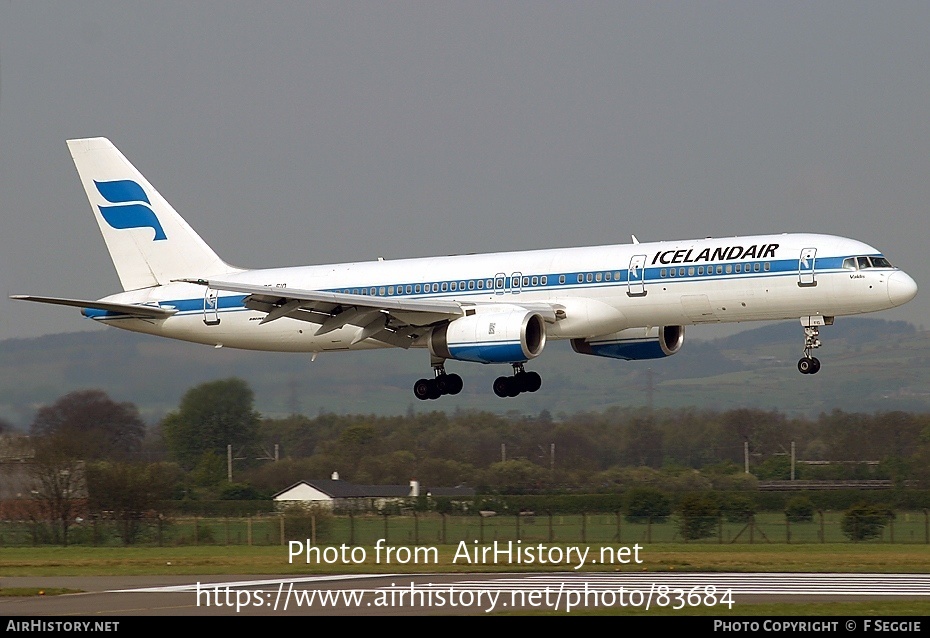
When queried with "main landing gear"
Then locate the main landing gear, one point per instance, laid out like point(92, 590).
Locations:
point(809, 364)
point(442, 384)
point(521, 381)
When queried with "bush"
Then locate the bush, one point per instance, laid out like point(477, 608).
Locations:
point(800, 509)
point(647, 504)
point(865, 522)
point(299, 522)
point(737, 508)
point(699, 514)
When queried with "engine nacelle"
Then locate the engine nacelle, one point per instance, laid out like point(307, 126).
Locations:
point(494, 337)
point(634, 344)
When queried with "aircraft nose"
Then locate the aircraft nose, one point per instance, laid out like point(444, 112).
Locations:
point(901, 288)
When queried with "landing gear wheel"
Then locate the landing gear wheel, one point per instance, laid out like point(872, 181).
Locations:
point(502, 387)
point(816, 365)
point(443, 383)
point(533, 381)
point(421, 389)
point(455, 383)
point(806, 365)
point(434, 391)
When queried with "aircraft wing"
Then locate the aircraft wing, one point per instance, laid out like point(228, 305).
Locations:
point(394, 320)
point(133, 310)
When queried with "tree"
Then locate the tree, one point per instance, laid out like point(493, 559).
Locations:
point(211, 416)
point(60, 483)
point(129, 492)
point(864, 522)
point(699, 514)
point(800, 509)
point(92, 426)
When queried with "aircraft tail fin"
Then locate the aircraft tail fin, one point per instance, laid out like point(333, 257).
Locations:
point(149, 242)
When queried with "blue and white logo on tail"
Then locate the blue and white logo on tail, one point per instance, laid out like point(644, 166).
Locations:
point(134, 209)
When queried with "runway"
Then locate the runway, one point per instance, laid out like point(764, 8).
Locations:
point(457, 594)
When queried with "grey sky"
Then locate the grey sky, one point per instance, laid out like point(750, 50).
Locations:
point(293, 133)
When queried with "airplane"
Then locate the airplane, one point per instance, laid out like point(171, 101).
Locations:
point(627, 301)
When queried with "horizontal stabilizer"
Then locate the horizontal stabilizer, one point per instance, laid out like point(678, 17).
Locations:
point(135, 310)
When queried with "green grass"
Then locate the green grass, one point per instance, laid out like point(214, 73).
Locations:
point(664, 557)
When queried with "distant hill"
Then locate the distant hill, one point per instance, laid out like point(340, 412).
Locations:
point(868, 365)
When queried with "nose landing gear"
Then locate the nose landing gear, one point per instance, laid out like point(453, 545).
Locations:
point(809, 364)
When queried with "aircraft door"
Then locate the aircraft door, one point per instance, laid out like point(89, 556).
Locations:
point(636, 276)
point(211, 307)
point(806, 275)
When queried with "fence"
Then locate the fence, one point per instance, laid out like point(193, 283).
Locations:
point(431, 529)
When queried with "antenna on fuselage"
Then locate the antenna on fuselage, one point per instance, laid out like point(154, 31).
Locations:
point(635, 241)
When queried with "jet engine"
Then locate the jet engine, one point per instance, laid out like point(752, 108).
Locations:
point(513, 336)
point(634, 344)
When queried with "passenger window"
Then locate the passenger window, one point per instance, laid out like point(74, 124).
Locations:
point(729, 268)
point(589, 277)
point(598, 277)
point(381, 291)
point(719, 270)
point(580, 278)
point(755, 267)
point(409, 289)
point(700, 270)
point(766, 266)
point(481, 284)
point(617, 275)
point(561, 279)
point(445, 286)
point(390, 290)
point(500, 282)
point(535, 281)
point(490, 283)
point(681, 272)
point(526, 281)
point(371, 291)
point(691, 271)
point(671, 272)
point(607, 276)
point(663, 273)
point(416, 289)
point(453, 286)
point(739, 268)
point(471, 284)
point(435, 287)
point(543, 280)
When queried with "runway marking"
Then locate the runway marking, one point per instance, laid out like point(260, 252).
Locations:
point(242, 584)
point(770, 584)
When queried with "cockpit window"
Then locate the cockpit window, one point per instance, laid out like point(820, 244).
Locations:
point(861, 263)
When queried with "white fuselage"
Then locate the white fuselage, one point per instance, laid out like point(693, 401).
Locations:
point(602, 289)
